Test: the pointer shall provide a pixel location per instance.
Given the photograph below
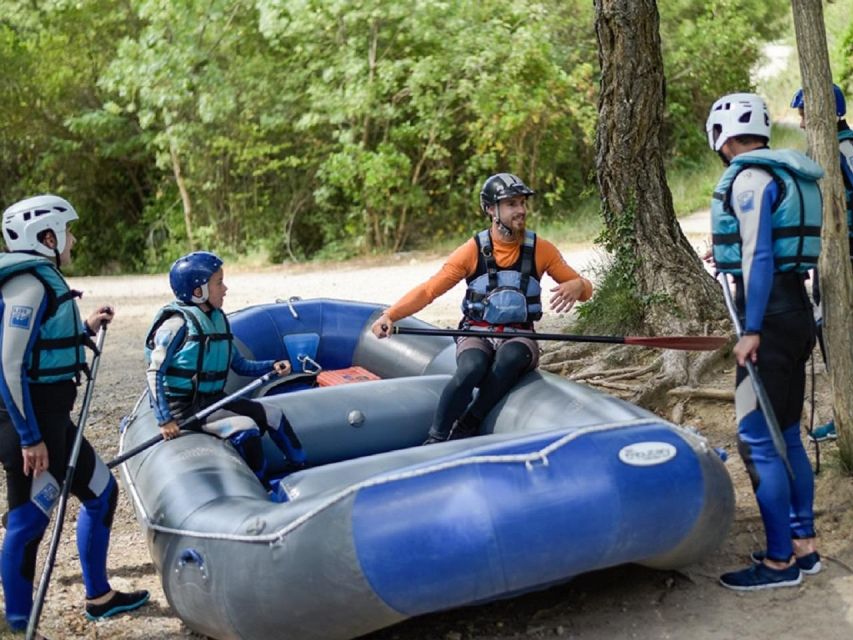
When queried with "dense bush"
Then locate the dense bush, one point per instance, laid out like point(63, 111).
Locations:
point(324, 127)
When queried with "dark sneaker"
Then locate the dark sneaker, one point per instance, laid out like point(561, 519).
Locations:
point(760, 576)
point(119, 603)
point(823, 433)
point(463, 428)
point(808, 564)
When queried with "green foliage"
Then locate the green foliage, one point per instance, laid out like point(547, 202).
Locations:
point(616, 301)
point(328, 127)
point(615, 308)
point(710, 50)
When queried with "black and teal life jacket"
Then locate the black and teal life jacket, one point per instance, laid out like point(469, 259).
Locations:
point(200, 366)
point(796, 217)
point(58, 352)
point(503, 296)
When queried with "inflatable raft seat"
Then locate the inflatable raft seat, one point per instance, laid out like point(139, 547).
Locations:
point(345, 376)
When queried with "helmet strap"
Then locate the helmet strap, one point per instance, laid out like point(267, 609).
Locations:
point(504, 230)
point(58, 259)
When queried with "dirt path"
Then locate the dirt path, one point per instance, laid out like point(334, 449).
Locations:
point(626, 602)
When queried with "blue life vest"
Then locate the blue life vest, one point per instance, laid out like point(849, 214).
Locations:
point(508, 296)
point(201, 364)
point(847, 134)
point(796, 217)
point(58, 352)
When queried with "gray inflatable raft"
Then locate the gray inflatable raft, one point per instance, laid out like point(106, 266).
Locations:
point(562, 481)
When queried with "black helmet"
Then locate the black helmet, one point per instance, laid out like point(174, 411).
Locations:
point(500, 187)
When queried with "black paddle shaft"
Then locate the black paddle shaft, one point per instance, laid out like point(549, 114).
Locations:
point(195, 418)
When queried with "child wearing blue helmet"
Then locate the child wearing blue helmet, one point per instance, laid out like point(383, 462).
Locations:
point(189, 350)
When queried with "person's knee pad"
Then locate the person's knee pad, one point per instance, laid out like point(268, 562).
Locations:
point(471, 366)
point(25, 529)
point(513, 357)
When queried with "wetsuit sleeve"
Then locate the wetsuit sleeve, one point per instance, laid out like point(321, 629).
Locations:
point(549, 260)
point(461, 263)
point(250, 368)
point(167, 341)
point(754, 193)
point(23, 301)
point(846, 152)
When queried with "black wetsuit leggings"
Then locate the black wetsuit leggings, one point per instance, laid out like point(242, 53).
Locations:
point(494, 375)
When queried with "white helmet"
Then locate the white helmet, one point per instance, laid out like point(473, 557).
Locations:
point(737, 114)
point(25, 220)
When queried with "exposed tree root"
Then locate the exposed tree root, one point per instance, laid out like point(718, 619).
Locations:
point(703, 393)
point(648, 378)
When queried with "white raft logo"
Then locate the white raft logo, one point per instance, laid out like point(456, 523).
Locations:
point(646, 454)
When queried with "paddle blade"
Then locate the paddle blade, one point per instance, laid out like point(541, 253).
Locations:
point(682, 343)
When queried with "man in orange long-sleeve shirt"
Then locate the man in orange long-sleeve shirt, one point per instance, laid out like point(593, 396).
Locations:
point(502, 266)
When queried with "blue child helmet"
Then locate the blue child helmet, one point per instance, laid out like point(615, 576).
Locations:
point(193, 271)
point(840, 103)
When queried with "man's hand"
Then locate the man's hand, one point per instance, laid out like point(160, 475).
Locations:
point(566, 294)
point(35, 459)
point(747, 348)
point(383, 326)
point(102, 316)
point(170, 430)
point(282, 367)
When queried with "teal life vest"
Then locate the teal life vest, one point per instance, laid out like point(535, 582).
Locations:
point(503, 296)
point(58, 351)
point(847, 134)
point(796, 216)
point(201, 365)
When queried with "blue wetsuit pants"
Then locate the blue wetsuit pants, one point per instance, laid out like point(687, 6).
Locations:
point(30, 501)
point(786, 504)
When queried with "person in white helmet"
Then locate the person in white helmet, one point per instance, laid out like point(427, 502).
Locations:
point(43, 357)
point(766, 218)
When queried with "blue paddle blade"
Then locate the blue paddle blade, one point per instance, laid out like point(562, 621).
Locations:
point(299, 347)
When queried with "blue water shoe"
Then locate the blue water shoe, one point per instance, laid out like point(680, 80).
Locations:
point(119, 603)
point(823, 433)
point(760, 576)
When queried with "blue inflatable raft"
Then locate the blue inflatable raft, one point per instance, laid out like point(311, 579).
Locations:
point(562, 481)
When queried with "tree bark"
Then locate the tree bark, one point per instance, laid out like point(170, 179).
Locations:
point(837, 284)
point(636, 201)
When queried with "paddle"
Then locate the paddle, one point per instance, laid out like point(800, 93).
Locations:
point(684, 343)
point(70, 470)
point(757, 386)
point(197, 417)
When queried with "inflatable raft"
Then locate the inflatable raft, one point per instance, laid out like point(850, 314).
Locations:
point(562, 481)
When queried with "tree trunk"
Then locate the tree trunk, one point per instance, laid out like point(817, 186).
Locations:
point(182, 189)
point(636, 201)
point(836, 286)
